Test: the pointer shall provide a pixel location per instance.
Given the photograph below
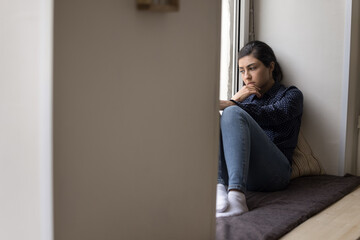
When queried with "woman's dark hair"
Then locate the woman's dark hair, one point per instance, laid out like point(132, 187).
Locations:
point(263, 53)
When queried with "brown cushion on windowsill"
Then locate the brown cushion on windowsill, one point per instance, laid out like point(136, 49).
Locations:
point(304, 162)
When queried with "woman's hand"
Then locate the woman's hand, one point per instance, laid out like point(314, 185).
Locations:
point(246, 91)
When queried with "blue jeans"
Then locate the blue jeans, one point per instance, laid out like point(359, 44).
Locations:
point(248, 159)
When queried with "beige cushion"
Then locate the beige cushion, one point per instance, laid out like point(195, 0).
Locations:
point(304, 163)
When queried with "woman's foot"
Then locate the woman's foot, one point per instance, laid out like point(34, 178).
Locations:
point(222, 202)
point(237, 205)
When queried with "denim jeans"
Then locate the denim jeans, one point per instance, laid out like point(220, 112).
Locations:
point(248, 159)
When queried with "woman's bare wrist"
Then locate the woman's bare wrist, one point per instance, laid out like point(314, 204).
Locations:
point(226, 103)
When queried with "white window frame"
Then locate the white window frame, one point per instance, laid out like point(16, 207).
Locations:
point(234, 35)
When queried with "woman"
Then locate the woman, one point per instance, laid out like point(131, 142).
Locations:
point(259, 131)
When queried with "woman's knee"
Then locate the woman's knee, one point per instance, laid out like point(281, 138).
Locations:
point(233, 113)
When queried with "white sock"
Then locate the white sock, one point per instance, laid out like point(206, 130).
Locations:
point(222, 202)
point(237, 205)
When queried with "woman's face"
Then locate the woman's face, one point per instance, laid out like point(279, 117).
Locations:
point(253, 71)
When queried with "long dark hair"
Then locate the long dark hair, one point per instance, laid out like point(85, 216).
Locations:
point(265, 54)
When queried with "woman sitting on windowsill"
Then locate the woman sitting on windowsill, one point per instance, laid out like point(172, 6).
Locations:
point(259, 129)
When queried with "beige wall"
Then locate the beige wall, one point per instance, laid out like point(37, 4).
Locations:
point(357, 79)
point(354, 88)
point(25, 99)
point(308, 38)
point(135, 120)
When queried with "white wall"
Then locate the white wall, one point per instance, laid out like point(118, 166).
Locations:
point(25, 140)
point(308, 39)
point(135, 120)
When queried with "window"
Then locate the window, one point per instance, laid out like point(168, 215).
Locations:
point(234, 34)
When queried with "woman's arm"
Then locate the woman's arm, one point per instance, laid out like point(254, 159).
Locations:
point(245, 91)
point(241, 95)
point(225, 103)
point(286, 108)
